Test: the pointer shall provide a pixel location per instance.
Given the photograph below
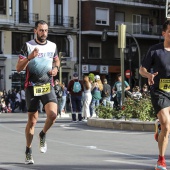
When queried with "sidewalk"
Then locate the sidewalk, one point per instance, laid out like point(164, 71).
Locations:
point(122, 124)
point(94, 122)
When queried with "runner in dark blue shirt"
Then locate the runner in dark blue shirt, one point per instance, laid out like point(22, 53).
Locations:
point(156, 67)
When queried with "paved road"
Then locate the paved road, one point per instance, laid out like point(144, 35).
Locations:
point(75, 146)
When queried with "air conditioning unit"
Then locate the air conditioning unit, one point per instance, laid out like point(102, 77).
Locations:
point(154, 13)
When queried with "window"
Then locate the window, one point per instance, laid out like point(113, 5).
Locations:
point(20, 38)
point(2, 6)
point(1, 52)
point(119, 19)
point(10, 7)
point(58, 12)
point(61, 42)
point(102, 16)
point(136, 24)
point(94, 50)
point(23, 11)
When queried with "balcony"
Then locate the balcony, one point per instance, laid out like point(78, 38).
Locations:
point(141, 29)
point(56, 20)
point(148, 3)
point(155, 2)
point(25, 18)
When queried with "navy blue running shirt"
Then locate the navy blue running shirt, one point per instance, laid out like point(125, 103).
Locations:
point(158, 58)
point(38, 68)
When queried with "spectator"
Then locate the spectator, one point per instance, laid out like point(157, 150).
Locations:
point(75, 88)
point(117, 87)
point(106, 93)
point(63, 99)
point(59, 93)
point(145, 91)
point(1, 93)
point(13, 98)
point(87, 98)
point(18, 101)
point(3, 106)
point(97, 88)
point(136, 94)
point(5, 96)
point(23, 102)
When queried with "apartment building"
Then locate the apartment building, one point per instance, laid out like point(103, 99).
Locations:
point(76, 26)
point(17, 19)
point(143, 20)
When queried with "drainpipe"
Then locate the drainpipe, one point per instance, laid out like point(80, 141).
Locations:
point(79, 70)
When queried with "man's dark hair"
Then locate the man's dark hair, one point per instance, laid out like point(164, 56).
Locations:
point(42, 22)
point(118, 75)
point(165, 25)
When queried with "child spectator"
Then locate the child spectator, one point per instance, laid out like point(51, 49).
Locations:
point(136, 94)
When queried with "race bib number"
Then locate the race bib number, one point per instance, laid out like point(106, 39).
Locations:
point(164, 84)
point(41, 90)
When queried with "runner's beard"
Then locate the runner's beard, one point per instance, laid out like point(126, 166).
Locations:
point(41, 39)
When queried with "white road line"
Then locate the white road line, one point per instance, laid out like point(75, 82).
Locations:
point(12, 129)
point(90, 147)
point(104, 131)
point(130, 163)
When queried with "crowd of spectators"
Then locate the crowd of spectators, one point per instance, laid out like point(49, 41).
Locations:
point(12, 101)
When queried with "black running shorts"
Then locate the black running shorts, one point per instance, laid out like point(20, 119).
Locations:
point(33, 101)
point(160, 100)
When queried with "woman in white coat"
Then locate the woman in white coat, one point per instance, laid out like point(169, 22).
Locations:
point(87, 98)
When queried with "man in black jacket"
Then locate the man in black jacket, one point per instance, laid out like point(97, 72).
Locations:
point(106, 92)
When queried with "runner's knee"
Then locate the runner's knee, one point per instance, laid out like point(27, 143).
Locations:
point(32, 123)
point(52, 116)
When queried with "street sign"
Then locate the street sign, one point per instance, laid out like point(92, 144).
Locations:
point(127, 74)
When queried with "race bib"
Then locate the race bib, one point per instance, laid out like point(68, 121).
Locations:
point(164, 84)
point(41, 90)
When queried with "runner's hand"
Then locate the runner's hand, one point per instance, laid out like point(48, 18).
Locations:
point(53, 72)
point(34, 53)
point(151, 78)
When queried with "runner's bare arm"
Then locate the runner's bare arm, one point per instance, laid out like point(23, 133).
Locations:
point(56, 66)
point(22, 63)
point(144, 73)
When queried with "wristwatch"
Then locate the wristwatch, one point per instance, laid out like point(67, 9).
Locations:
point(28, 58)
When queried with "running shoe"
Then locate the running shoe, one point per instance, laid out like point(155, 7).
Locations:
point(43, 144)
point(160, 165)
point(157, 129)
point(29, 159)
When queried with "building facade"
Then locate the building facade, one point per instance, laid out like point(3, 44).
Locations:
point(143, 20)
point(17, 19)
point(76, 26)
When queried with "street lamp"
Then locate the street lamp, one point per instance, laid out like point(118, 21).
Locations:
point(130, 53)
point(104, 38)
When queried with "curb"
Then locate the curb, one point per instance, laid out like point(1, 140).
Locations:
point(121, 125)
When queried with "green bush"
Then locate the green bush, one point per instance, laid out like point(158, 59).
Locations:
point(104, 112)
point(140, 109)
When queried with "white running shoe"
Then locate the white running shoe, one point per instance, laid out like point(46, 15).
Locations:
point(43, 144)
point(29, 159)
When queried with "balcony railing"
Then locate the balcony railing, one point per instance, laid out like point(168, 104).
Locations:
point(154, 2)
point(65, 21)
point(140, 28)
point(29, 18)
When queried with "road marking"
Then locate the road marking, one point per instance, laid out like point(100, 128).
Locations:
point(104, 131)
point(91, 147)
point(83, 146)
